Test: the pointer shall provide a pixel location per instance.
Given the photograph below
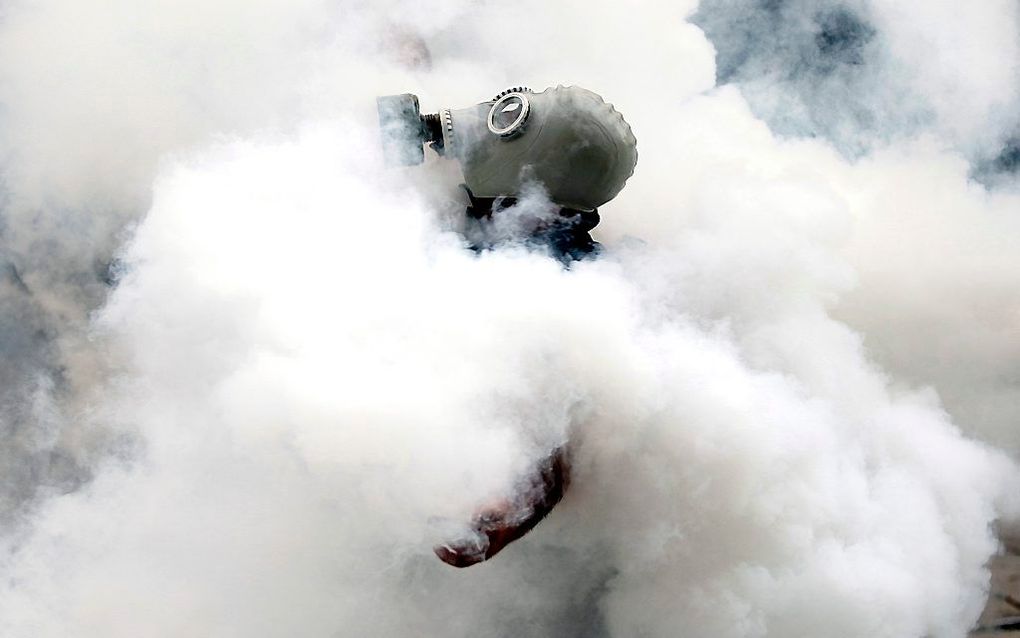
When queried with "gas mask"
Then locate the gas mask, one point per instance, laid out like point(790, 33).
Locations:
point(567, 139)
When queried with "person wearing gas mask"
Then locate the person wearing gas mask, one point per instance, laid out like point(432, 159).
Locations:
point(568, 150)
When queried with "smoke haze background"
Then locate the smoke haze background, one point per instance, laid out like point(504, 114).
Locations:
point(248, 371)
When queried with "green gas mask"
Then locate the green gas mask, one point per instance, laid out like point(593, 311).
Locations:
point(567, 139)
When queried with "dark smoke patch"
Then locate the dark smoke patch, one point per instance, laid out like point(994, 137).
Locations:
point(811, 69)
point(782, 39)
point(842, 38)
point(42, 450)
point(109, 271)
point(823, 68)
point(1008, 160)
point(1001, 167)
point(33, 458)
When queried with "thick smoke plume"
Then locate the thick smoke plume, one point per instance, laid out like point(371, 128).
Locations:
point(251, 375)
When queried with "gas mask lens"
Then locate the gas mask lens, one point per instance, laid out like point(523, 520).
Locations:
point(508, 114)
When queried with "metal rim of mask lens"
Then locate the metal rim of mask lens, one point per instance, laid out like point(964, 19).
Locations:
point(511, 104)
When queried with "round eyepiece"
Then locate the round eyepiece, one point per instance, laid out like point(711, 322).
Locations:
point(508, 114)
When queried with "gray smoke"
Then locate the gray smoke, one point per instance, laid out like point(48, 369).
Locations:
point(869, 72)
point(250, 373)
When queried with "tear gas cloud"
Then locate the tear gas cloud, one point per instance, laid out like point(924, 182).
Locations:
point(249, 372)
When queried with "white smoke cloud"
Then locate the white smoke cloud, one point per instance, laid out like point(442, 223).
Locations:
point(965, 64)
point(302, 374)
